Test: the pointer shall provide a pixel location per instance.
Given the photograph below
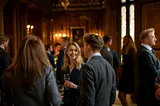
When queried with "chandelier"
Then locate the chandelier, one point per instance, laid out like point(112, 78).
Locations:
point(65, 3)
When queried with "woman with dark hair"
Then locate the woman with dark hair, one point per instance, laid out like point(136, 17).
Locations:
point(30, 80)
point(71, 69)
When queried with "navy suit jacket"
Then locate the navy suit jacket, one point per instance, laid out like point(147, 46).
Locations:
point(97, 83)
point(148, 68)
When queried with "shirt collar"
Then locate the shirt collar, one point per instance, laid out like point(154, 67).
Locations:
point(49, 52)
point(2, 47)
point(95, 54)
point(147, 46)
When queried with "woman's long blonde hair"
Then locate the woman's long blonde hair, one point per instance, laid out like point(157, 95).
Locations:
point(131, 44)
point(31, 58)
point(78, 60)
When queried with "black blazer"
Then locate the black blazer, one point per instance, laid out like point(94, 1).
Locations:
point(97, 83)
point(148, 68)
point(116, 62)
point(5, 60)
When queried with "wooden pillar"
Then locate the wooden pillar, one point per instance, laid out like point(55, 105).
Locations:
point(14, 32)
point(1, 21)
point(2, 4)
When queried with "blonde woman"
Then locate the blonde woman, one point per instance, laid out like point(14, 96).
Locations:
point(126, 83)
point(71, 69)
point(30, 80)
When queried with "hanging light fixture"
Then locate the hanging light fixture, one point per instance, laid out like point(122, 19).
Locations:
point(65, 3)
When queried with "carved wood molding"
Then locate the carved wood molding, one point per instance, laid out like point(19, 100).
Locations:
point(80, 6)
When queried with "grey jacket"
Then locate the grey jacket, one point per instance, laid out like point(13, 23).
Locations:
point(97, 83)
point(44, 93)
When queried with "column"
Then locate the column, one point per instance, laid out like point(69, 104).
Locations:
point(1, 21)
point(2, 4)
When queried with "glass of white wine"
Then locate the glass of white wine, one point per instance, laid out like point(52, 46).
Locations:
point(66, 77)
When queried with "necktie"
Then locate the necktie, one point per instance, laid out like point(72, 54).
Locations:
point(152, 51)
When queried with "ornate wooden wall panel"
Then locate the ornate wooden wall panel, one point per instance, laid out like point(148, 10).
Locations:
point(150, 18)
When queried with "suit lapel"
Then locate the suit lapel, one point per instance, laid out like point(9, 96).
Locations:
point(152, 55)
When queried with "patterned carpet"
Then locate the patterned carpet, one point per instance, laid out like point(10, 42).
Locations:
point(118, 103)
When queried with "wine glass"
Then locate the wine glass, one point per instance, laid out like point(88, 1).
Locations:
point(66, 77)
point(157, 85)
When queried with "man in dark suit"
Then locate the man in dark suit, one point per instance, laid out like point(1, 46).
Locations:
point(49, 49)
point(147, 70)
point(97, 77)
point(105, 51)
point(5, 58)
point(111, 56)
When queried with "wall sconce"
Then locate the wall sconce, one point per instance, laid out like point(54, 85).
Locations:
point(65, 3)
point(59, 36)
point(29, 29)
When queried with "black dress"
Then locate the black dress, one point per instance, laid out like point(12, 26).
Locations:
point(126, 83)
point(71, 96)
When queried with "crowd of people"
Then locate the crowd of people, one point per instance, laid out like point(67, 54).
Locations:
point(43, 75)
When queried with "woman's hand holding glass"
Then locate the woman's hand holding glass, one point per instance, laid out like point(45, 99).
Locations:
point(69, 84)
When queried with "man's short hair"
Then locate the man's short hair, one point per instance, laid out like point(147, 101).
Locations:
point(3, 38)
point(107, 38)
point(47, 46)
point(94, 41)
point(66, 39)
point(57, 44)
point(145, 33)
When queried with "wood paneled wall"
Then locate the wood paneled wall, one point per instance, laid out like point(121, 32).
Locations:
point(92, 21)
point(148, 17)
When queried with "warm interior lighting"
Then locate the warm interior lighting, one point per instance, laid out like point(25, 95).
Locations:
point(65, 3)
point(64, 35)
point(32, 26)
point(58, 37)
point(28, 26)
point(29, 29)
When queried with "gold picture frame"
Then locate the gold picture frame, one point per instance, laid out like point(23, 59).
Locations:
point(77, 34)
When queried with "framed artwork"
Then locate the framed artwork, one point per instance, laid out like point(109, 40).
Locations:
point(77, 35)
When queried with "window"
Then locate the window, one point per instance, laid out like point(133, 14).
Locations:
point(123, 1)
point(131, 19)
point(127, 19)
point(123, 23)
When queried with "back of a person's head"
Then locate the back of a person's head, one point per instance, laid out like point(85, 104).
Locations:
point(145, 33)
point(66, 38)
point(31, 57)
point(47, 46)
point(57, 44)
point(3, 38)
point(95, 41)
point(107, 38)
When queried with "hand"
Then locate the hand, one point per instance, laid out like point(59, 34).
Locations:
point(70, 84)
point(61, 97)
point(66, 83)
